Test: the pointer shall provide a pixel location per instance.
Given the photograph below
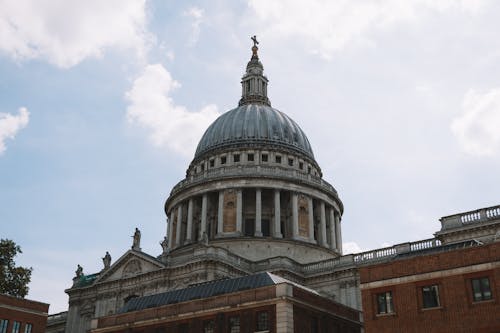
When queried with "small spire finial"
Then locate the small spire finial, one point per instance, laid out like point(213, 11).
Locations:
point(254, 47)
point(254, 39)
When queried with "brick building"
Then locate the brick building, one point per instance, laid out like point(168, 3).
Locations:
point(453, 288)
point(256, 303)
point(18, 315)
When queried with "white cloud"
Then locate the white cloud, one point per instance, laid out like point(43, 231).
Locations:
point(478, 128)
point(351, 247)
point(328, 26)
point(171, 125)
point(196, 14)
point(10, 125)
point(66, 32)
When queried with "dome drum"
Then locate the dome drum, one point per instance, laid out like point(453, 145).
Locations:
point(253, 178)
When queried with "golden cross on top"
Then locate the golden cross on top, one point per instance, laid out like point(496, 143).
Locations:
point(254, 39)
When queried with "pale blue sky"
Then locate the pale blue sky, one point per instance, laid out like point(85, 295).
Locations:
point(101, 106)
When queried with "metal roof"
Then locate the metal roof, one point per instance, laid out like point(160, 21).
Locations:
point(255, 124)
point(203, 290)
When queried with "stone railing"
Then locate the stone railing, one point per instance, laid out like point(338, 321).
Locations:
point(279, 263)
point(475, 216)
point(57, 317)
point(254, 171)
point(388, 252)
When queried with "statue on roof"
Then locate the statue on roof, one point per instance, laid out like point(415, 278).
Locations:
point(164, 245)
point(106, 260)
point(79, 271)
point(136, 245)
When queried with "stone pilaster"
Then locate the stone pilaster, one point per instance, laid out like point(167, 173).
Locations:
point(322, 215)
point(178, 234)
point(258, 212)
point(203, 224)
point(170, 232)
point(338, 232)
point(310, 211)
point(220, 214)
point(189, 229)
point(295, 216)
point(239, 211)
point(333, 234)
point(277, 215)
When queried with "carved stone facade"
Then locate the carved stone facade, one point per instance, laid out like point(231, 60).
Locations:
point(253, 200)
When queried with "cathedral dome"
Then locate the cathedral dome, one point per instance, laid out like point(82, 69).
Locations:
point(254, 125)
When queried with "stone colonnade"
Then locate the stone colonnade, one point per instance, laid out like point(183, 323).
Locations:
point(255, 212)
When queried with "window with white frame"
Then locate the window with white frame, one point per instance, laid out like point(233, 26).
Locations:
point(384, 303)
point(481, 290)
point(430, 296)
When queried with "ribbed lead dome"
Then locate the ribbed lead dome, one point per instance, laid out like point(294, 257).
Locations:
point(254, 125)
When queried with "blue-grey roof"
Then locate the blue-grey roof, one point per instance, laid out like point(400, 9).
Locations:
point(203, 290)
point(254, 125)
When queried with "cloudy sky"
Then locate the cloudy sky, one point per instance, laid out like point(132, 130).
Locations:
point(102, 104)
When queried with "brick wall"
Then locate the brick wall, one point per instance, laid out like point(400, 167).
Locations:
point(452, 273)
point(24, 311)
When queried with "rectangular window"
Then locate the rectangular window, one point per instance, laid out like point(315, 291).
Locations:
point(236, 158)
point(234, 324)
point(223, 160)
point(264, 157)
point(16, 326)
point(28, 328)
point(278, 159)
point(290, 161)
point(202, 166)
point(262, 321)
point(430, 296)
point(212, 163)
point(384, 303)
point(209, 326)
point(301, 165)
point(4, 323)
point(250, 157)
point(481, 290)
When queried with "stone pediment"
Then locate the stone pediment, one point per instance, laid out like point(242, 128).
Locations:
point(130, 264)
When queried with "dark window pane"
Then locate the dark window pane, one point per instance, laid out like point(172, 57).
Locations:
point(481, 290)
point(430, 295)
point(234, 324)
point(250, 157)
point(262, 321)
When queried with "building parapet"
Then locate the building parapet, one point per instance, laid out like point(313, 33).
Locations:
point(471, 217)
point(254, 171)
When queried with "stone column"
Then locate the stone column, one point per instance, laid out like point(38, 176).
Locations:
point(189, 230)
point(239, 210)
point(333, 233)
point(203, 224)
point(277, 215)
point(295, 216)
point(220, 214)
point(322, 215)
point(179, 226)
point(170, 231)
point(311, 218)
point(258, 212)
point(338, 232)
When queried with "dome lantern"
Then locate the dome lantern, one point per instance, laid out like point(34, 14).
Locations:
point(254, 83)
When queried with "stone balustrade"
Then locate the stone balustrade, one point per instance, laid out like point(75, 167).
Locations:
point(279, 263)
point(475, 216)
point(254, 171)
